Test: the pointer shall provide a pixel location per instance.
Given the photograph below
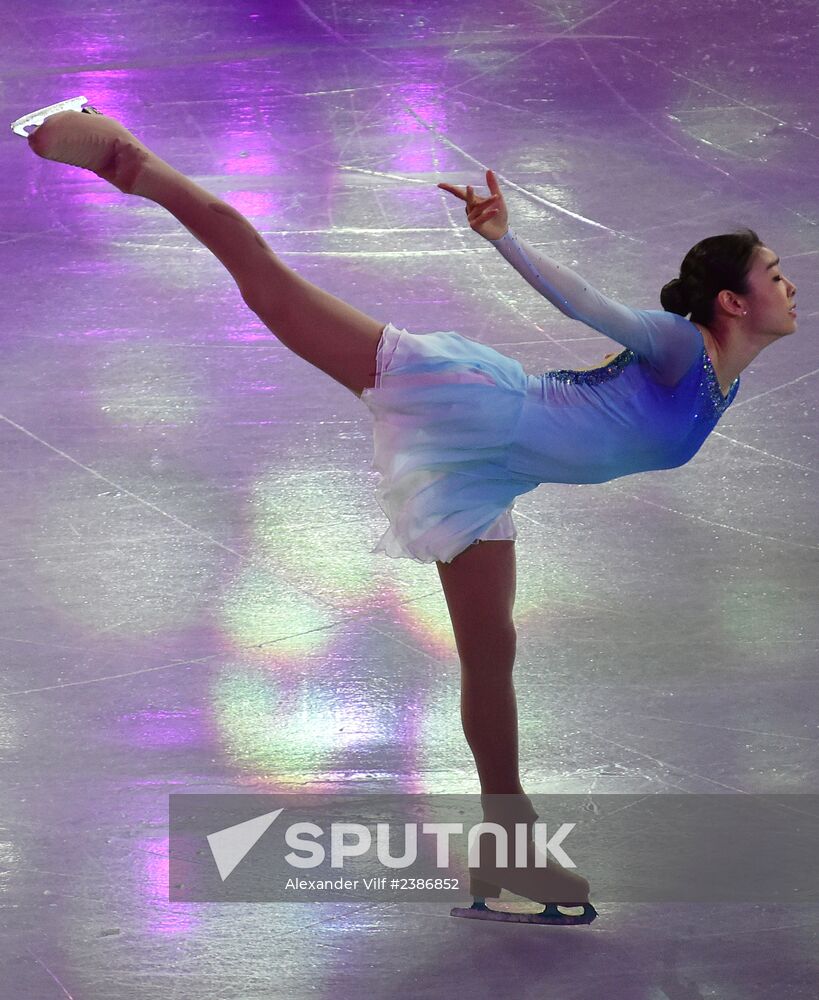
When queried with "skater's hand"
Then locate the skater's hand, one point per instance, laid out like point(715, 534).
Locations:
point(487, 216)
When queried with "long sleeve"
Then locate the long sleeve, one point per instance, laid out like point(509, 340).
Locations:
point(670, 343)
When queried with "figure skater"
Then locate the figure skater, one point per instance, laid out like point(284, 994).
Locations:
point(460, 430)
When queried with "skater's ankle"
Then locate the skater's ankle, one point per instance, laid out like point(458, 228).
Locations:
point(125, 166)
point(508, 808)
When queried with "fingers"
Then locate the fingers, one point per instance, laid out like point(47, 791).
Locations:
point(478, 209)
point(468, 195)
point(492, 182)
point(482, 215)
point(483, 205)
point(458, 192)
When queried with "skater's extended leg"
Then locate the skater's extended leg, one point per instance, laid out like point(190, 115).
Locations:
point(324, 330)
point(479, 586)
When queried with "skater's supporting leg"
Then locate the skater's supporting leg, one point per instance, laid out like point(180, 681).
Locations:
point(479, 586)
point(324, 330)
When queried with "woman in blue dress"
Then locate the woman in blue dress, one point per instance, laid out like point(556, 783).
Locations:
point(461, 430)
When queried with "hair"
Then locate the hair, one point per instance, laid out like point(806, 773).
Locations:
point(714, 264)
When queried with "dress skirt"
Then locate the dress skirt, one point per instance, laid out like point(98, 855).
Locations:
point(444, 412)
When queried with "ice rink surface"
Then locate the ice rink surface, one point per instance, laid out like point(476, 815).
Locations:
point(189, 601)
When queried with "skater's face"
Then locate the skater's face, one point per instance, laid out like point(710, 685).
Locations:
point(770, 299)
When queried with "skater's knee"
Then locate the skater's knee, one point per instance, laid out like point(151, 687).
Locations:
point(487, 646)
point(269, 308)
point(250, 296)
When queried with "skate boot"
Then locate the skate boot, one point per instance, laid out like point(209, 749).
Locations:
point(36, 118)
point(563, 893)
point(90, 140)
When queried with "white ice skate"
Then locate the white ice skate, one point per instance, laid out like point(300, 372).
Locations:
point(36, 118)
point(533, 883)
point(87, 139)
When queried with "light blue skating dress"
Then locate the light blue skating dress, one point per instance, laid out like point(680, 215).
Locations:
point(460, 430)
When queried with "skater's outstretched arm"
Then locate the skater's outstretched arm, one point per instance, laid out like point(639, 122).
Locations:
point(668, 341)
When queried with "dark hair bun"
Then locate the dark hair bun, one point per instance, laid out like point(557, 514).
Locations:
point(715, 263)
point(674, 298)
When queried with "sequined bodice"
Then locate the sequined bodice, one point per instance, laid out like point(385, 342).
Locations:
point(596, 376)
point(595, 425)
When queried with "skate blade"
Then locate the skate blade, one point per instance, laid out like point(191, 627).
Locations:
point(567, 916)
point(36, 118)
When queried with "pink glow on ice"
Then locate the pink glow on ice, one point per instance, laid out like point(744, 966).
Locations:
point(415, 106)
point(161, 916)
point(162, 728)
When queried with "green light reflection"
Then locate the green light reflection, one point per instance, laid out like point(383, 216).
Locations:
point(262, 609)
point(287, 731)
point(306, 537)
point(760, 615)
